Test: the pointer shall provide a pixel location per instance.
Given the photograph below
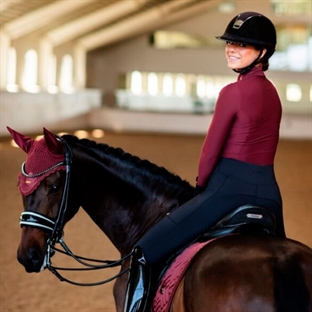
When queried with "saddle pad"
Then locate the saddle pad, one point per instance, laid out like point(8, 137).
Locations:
point(173, 276)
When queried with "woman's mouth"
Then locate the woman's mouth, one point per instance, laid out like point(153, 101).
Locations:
point(233, 58)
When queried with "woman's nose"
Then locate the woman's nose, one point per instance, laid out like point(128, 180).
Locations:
point(231, 47)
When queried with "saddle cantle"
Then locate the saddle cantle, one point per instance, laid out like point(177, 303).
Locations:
point(248, 218)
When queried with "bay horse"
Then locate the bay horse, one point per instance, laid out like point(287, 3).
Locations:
point(124, 196)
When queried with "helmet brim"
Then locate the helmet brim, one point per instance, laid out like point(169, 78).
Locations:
point(228, 37)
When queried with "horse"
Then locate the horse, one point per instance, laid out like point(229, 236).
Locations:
point(125, 196)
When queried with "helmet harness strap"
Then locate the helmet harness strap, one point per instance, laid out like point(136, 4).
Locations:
point(245, 70)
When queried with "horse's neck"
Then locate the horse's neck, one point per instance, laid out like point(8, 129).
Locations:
point(124, 208)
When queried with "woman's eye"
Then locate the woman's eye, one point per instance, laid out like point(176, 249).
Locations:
point(242, 45)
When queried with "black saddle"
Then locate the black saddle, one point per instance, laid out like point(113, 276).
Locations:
point(248, 218)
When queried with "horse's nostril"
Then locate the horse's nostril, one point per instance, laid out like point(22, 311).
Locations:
point(31, 259)
point(34, 256)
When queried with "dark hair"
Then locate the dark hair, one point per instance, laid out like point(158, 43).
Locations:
point(265, 65)
point(264, 62)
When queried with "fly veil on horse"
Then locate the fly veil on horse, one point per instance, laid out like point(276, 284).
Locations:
point(125, 196)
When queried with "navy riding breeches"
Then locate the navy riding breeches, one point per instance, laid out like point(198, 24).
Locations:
point(232, 184)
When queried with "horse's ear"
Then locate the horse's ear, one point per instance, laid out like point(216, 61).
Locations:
point(24, 142)
point(54, 145)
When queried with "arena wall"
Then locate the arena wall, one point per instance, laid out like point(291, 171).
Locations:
point(29, 113)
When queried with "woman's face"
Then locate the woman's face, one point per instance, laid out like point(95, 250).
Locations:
point(240, 55)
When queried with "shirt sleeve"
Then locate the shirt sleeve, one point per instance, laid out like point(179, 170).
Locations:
point(219, 129)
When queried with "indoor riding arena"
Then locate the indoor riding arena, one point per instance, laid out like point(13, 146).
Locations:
point(25, 292)
point(109, 84)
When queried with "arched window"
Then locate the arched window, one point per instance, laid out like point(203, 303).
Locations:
point(52, 87)
point(66, 76)
point(180, 86)
point(29, 80)
point(201, 87)
point(152, 84)
point(210, 89)
point(167, 85)
point(11, 73)
point(136, 82)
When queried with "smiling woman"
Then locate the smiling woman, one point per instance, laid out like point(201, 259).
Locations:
point(237, 156)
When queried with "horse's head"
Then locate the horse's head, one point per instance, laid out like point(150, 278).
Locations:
point(43, 184)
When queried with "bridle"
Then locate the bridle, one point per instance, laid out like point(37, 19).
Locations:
point(55, 228)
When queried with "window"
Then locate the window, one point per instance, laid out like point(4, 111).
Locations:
point(163, 39)
point(294, 7)
point(136, 82)
point(201, 87)
point(11, 74)
point(293, 92)
point(210, 89)
point(52, 88)
point(152, 84)
point(66, 75)
point(167, 85)
point(293, 39)
point(29, 81)
point(180, 85)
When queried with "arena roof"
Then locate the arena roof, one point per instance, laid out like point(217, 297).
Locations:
point(93, 23)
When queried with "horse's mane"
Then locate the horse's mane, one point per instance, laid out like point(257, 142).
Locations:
point(148, 167)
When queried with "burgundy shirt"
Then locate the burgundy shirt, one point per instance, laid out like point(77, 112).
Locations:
point(245, 124)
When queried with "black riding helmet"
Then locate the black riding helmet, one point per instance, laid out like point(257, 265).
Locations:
point(254, 29)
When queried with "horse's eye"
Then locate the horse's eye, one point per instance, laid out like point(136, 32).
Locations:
point(54, 188)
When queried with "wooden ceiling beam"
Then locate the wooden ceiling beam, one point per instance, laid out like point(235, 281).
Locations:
point(100, 18)
point(41, 17)
point(141, 23)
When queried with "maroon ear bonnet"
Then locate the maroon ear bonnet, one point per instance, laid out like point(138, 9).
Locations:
point(41, 156)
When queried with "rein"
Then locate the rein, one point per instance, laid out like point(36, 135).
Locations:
point(55, 227)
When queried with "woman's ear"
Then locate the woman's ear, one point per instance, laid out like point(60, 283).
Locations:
point(264, 51)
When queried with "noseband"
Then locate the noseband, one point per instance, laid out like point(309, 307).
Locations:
point(55, 228)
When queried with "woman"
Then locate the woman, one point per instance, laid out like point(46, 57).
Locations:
point(237, 156)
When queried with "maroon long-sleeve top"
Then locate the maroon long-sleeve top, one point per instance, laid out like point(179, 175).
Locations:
point(245, 124)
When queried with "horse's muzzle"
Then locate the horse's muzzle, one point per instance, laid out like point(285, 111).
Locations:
point(32, 260)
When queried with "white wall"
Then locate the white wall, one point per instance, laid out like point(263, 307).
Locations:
point(33, 117)
point(292, 126)
point(29, 113)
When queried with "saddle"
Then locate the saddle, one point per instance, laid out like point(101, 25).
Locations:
point(245, 219)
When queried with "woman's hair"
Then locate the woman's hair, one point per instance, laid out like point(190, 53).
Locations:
point(265, 65)
point(264, 62)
